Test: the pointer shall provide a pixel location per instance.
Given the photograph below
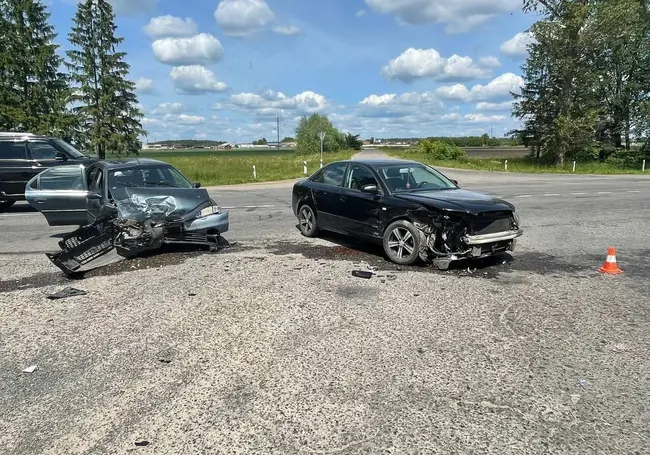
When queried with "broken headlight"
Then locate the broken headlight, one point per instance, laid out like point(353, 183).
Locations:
point(213, 209)
point(515, 218)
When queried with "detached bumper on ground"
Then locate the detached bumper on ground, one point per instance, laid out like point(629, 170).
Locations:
point(110, 240)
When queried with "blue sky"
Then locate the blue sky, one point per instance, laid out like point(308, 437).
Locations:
point(224, 69)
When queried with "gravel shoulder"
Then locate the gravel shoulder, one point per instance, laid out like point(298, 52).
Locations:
point(275, 348)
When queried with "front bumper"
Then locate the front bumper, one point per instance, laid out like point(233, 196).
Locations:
point(492, 238)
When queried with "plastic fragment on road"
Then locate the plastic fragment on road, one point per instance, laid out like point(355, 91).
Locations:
point(30, 369)
point(141, 443)
point(65, 293)
point(362, 274)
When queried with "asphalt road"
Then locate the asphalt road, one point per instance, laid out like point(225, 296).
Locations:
point(273, 347)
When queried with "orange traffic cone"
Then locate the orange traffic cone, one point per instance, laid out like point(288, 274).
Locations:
point(610, 263)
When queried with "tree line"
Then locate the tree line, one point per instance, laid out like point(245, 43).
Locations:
point(586, 93)
point(93, 104)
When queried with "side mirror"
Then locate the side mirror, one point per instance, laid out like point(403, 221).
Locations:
point(94, 196)
point(370, 189)
point(60, 157)
point(455, 182)
point(196, 185)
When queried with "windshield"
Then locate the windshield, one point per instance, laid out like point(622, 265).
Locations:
point(147, 177)
point(74, 153)
point(413, 177)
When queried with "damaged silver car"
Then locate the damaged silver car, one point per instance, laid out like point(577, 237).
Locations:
point(123, 209)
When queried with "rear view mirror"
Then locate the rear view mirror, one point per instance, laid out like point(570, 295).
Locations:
point(60, 157)
point(370, 189)
point(196, 185)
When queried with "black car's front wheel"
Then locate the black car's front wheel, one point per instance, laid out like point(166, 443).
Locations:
point(307, 221)
point(4, 205)
point(402, 242)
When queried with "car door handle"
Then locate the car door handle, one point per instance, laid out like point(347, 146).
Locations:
point(344, 198)
point(40, 201)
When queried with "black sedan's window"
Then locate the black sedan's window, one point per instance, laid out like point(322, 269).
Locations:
point(332, 175)
point(358, 177)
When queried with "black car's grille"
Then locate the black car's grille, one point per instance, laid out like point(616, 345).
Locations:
point(491, 223)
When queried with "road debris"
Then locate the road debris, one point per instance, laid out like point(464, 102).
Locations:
point(362, 274)
point(142, 443)
point(65, 293)
point(30, 369)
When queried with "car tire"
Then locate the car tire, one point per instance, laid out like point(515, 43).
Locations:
point(4, 205)
point(399, 237)
point(307, 221)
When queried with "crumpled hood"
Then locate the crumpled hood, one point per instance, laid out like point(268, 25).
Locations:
point(164, 203)
point(457, 201)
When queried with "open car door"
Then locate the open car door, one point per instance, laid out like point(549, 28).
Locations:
point(59, 193)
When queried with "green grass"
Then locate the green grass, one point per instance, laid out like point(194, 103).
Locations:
point(236, 153)
point(517, 165)
point(219, 168)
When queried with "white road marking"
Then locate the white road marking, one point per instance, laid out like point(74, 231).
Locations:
point(604, 192)
point(633, 191)
point(578, 194)
point(552, 194)
point(525, 195)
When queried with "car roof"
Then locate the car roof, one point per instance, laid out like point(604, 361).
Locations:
point(130, 162)
point(378, 162)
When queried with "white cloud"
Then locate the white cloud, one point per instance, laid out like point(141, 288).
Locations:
point(458, 15)
point(289, 30)
point(415, 64)
point(195, 80)
point(393, 105)
point(489, 62)
point(145, 86)
point(516, 47)
point(360, 13)
point(192, 119)
point(480, 118)
point(199, 49)
point(168, 108)
point(485, 106)
point(243, 17)
point(270, 102)
point(497, 89)
point(170, 27)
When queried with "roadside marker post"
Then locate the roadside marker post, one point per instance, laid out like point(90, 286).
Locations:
point(574, 166)
point(304, 168)
point(643, 166)
point(506, 165)
point(254, 172)
point(321, 135)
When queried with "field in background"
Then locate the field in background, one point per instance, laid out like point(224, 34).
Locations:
point(515, 164)
point(232, 153)
point(229, 167)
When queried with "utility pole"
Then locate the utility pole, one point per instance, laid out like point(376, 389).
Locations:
point(278, 126)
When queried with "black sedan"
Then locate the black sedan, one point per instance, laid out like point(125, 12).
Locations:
point(412, 209)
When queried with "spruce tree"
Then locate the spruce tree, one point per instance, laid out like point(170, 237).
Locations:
point(34, 92)
point(107, 104)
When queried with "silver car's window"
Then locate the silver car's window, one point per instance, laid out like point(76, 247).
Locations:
point(62, 178)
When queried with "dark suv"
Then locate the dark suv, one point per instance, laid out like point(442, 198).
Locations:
point(24, 155)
